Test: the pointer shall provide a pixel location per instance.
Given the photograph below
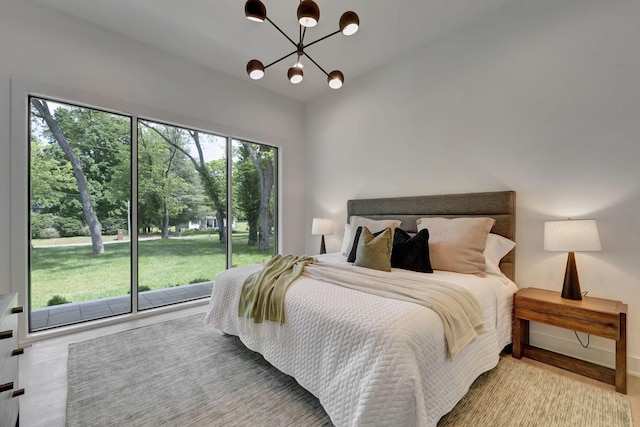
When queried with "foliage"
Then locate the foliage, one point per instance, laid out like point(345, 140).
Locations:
point(42, 226)
point(69, 227)
point(57, 300)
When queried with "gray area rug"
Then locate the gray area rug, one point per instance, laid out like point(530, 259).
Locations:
point(179, 373)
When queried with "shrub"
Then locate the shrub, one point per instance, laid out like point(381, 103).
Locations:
point(41, 225)
point(112, 225)
point(57, 300)
point(69, 227)
point(49, 233)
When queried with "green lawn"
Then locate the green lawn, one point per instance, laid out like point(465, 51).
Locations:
point(74, 273)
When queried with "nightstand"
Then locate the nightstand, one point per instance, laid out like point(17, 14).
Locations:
point(595, 316)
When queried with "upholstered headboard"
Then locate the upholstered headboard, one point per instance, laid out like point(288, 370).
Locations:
point(499, 205)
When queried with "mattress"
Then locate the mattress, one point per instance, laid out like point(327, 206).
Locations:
point(369, 360)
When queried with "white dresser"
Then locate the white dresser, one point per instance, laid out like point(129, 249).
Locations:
point(9, 352)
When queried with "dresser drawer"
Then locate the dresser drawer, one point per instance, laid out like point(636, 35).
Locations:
point(9, 409)
point(9, 389)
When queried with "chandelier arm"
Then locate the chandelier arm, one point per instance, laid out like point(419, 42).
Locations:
point(315, 63)
point(278, 60)
point(283, 33)
point(322, 38)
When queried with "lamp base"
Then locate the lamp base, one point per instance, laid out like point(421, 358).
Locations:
point(571, 287)
point(323, 248)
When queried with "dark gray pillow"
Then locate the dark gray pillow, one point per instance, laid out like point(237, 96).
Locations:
point(411, 252)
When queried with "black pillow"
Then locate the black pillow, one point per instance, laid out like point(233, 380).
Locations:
point(352, 254)
point(411, 253)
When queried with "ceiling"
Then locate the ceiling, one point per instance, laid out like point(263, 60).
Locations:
point(216, 34)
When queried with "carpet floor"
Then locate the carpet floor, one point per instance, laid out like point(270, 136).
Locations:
point(179, 373)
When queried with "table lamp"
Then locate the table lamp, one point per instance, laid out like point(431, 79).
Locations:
point(322, 226)
point(577, 235)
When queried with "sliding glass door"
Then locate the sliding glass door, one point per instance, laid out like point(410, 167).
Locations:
point(80, 256)
point(254, 202)
point(182, 205)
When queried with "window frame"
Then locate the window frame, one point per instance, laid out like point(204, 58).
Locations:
point(20, 199)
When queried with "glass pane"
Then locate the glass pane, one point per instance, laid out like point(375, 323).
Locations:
point(182, 203)
point(79, 181)
point(254, 204)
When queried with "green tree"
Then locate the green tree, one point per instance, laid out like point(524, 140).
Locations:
point(257, 189)
point(51, 180)
point(212, 177)
point(166, 185)
point(91, 219)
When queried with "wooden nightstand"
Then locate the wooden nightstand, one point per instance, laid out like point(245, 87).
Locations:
point(596, 316)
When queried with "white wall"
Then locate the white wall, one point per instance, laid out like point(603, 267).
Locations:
point(55, 55)
point(541, 98)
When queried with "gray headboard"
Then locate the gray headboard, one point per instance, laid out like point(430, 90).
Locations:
point(500, 205)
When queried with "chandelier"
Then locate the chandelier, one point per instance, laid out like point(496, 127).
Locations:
point(308, 16)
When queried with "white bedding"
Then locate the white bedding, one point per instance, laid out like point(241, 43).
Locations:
point(370, 360)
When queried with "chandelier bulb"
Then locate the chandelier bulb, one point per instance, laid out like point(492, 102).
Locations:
point(308, 13)
point(255, 69)
point(349, 23)
point(295, 75)
point(335, 79)
point(255, 10)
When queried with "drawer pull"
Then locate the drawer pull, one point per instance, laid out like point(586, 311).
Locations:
point(6, 387)
point(17, 352)
point(6, 334)
point(16, 310)
point(18, 392)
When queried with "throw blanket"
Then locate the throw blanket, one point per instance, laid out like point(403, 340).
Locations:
point(458, 309)
point(262, 296)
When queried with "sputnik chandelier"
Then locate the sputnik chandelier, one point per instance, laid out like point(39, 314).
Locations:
point(308, 16)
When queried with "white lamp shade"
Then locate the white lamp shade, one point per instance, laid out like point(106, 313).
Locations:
point(574, 235)
point(322, 226)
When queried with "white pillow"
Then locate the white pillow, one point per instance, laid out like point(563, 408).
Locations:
point(347, 239)
point(457, 244)
point(497, 247)
point(372, 224)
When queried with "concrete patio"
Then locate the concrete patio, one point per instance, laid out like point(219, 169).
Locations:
point(66, 314)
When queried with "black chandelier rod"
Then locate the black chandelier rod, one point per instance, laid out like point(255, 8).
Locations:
point(316, 64)
point(320, 39)
point(278, 60)
point(300, 47)
point(282, 32)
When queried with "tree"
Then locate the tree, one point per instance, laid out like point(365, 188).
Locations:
point(168, 190)
point(211, 177)
point(91, 219)
point(258, 194)
point(51, 180)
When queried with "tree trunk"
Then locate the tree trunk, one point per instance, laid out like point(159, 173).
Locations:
point(95, 228)
point(165, 222)
point(265, 174)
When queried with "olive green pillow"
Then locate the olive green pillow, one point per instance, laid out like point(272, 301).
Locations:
point(374, 252)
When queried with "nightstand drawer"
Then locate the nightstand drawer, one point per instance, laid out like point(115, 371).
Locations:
point(602, 325)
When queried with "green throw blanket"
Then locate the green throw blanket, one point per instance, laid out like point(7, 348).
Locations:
point(262, 296)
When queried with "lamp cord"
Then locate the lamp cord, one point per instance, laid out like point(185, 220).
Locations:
point(580, 341)
point(588, 335)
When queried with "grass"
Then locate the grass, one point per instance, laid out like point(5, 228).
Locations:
point(74, 273)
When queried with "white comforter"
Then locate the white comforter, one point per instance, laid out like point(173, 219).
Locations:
point(370, 360)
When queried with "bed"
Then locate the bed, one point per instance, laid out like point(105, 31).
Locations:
point(381, 361)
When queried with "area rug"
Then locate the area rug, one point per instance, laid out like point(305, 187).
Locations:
point(179, 373)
